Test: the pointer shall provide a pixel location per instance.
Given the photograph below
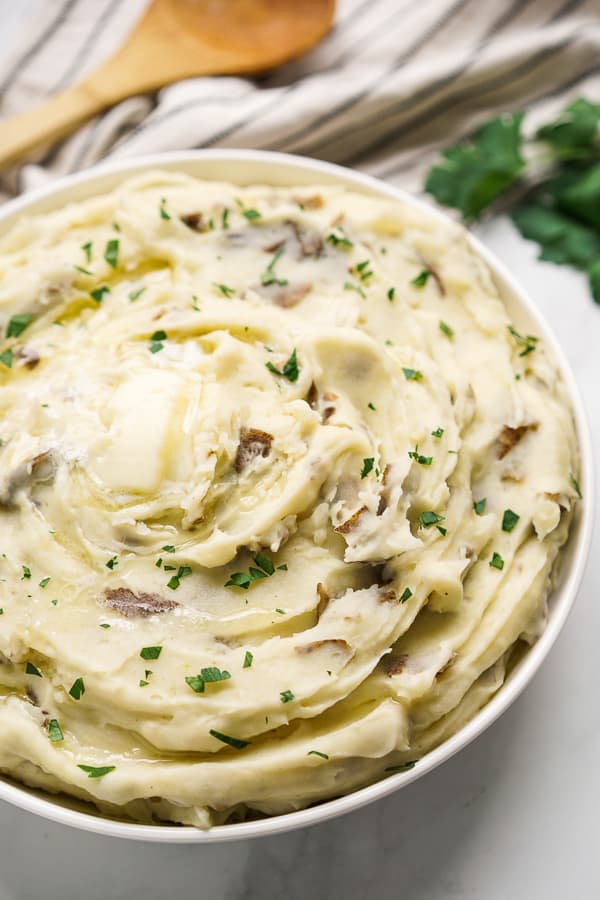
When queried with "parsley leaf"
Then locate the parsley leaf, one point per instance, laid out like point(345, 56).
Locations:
point(99, 293)
point(17, 324)
point(175, 580)
point(496, 562)
point(77, 689)
point(421, 279)
point(337, 241)
point(479, 506)
point(162, 210)
point(87, 249)
point(575, 132)
point(227, 739)
point(412, 374)
point(429, 518)
point(150, 652)
point(286, 696)
point(30, 669)
point(472, 174)
point(446, 329)
point(248, 657)
point(268, 276)
point(509, 520)
point(225, 290)
point(290, 369)
point(317, 753)
point(437, 433)
point(405, 595)
point(367, 466)
point(54, 731)
point(96, 771)
point(6, 358)
point(111, 253)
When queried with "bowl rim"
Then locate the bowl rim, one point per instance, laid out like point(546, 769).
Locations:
point(49, 807)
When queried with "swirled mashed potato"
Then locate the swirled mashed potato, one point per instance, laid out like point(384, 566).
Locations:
point(281, 488)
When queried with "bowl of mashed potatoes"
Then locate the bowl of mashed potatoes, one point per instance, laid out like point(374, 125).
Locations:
point(295, 494)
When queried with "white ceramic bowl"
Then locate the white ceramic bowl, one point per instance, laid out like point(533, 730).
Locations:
point(252, 166)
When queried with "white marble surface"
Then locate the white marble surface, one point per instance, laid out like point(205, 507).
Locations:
point(515, 815)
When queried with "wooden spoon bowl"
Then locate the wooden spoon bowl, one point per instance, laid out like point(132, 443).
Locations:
point(175, 39)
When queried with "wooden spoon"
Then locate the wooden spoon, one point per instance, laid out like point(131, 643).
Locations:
point(175, 39)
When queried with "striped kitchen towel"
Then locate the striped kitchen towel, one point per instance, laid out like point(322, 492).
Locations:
point(393, 81)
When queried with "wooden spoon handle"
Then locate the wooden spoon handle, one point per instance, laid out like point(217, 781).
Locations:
point(49, 122)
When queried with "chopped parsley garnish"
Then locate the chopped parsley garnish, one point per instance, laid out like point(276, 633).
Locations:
point(279, 610)
point(26, 573)
point(111, 253)
point(6, 358)
point(54, 731)
point(227, 739)
point(83, 271)
point(77, 689)
point(290, 369)
point(363, 271)
point(337, 241)
point(575, 485)
point(406, 595)
point(168, 548)
point(437, 433)
point(158, 562)
point(248, 657)
point(243, 580)
point(96, 771)
point(150, 652)
point(422, 460)
point(367, 467)
point(239, 579)
point(286, 696)
point(371, 406)
point(412, 374)
point(317, 753)
point(527, 343)
point(496, 562)
point(30, 669)
point(156, 341)
point(143, 683)
point(268, 276)
point(17, 324)
point(282, 568)
point(44, 582)
point(403, 767)
point(175, 580)
point(87, 249)
point(421, 279)
point(391, 294)
point(225, 290)
point(225, 219)
point(348, 286)
point(479, 506)
point(104, 625)
point(509, 520)
point(133, 295)
point(251, 214)
point(445, 329)
point(99, 293)
point(429, 518)
point(161, 209)
point(112, 562)
point(209, 675)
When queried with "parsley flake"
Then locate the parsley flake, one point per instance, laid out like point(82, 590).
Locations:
point(317, 753)
point(96, 771)
point(30, 669)
point(87, 249)
point(509, 520)
point(26, 573)
point(225, 219)
point(54, 731)
point(446, 329)
point(236, 743)
point(17, 324)
point(429, 518)
point(83, 271)
point(403, 767)
point(248, 657)
point(479, 506)
point(99, 293)
point(412, 374)
point(268, 276)
point(575, 485)
point(349, 286)
point(225, 290)
point(337, 241)
point(44, 582)
point(406, 595)
point(161, 209)
point(371, 406)
point(133, 295)
point(496, 562)
point(6, 358)
point(421, 279)
point(111, 253)
point(77, 689)
point(286, 696)
point(290, 369)
point(150, 652)
point(437, 433)
point(175, 580)
point(527, 343)
point(239, 579)
point(112, 562)
point(391, 294)
point(422, 460)
point(367, 467)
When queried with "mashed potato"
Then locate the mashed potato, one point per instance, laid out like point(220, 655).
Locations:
point(281, 489)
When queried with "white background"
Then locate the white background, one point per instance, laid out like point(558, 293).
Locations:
point(516, 815)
